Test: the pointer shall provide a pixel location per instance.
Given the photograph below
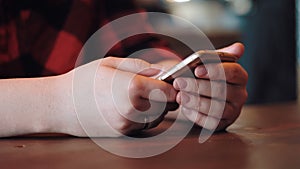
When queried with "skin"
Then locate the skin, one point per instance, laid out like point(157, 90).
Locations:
point(45, 105)
point(195, 95)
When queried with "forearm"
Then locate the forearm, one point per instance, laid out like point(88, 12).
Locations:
point(45, 105)
point(32, 105)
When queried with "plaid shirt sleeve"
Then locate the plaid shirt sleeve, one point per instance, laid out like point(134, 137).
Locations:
point(43, 38)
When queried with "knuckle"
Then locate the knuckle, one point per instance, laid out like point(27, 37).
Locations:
point(237, 72)
point(197, 104)
point(203, 86)
point(170, 93)
point(106, 61)
point(196, 85)
point(140, 64)
point(222, 90)
point(136, 85)
point(137, 105)
point(234, 72)
point(216, 110)
point(205, 105)
point(135, 89)
point(219, 108)
point(217, 72)
point(242, 97)
point(191, 84)
point(219, 90)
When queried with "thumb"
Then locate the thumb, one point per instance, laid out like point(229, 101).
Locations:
point(235, 49)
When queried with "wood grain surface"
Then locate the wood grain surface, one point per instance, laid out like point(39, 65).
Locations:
point(266, 136)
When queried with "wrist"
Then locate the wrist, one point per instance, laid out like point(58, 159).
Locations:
point(65, 118)
point(51, 101)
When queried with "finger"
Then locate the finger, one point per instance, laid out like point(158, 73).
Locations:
point(214, 89)
point(153, 116)
point(232, 73)
point(201, 104)
point(149, 123)
point(201, 87)
point(145, 87)
point(200, 119)
point(155, 109)
point(132, 65)
point(155, 123)
point(132, 126)
point(236, 49)
point(204, 121)
point(209, 107)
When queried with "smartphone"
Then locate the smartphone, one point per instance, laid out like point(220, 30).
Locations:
point(197, 58)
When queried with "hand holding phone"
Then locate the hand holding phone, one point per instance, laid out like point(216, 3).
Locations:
point(197, 58)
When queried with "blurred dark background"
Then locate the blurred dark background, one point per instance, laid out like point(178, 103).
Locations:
point(267, 28)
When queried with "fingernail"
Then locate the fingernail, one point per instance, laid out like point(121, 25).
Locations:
point(180, 84)
point(200, 71)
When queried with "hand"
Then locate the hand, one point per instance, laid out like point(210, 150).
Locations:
point(124, 92)
point(195, 95)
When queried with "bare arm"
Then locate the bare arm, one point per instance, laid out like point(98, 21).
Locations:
point(30, 105)
point(45, 105)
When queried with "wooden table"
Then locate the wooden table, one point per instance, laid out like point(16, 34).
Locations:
point(263, 137)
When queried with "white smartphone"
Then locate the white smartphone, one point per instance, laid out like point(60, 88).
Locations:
point(197, 58)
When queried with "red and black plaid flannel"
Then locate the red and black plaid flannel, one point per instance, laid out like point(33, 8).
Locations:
point(42, 38)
